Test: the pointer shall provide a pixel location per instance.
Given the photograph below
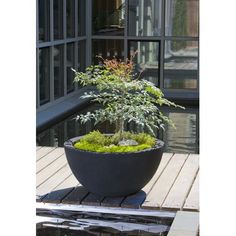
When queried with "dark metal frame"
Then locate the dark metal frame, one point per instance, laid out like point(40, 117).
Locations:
point(171, 93)
point(53, 43)
point(88, 37)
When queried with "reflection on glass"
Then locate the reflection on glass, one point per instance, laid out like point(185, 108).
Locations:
point(146, 59)
point(81, 55)
point(107, 48)
point(44, 75)
point(108, 17)
point(58, 54)
point(70, 63)
point(81, 17)
point(58, 19)
point(181, 65)
point(181, 18)
point(145, 17)
point(64, 130)
point(185, 138)
point(70, 18)
point(44, 20)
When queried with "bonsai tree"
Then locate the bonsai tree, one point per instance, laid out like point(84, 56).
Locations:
point(124, 98)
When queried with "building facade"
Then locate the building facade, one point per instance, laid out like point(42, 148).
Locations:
point(71, 33)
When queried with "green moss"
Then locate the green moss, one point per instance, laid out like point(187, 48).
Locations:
point(97, 142)
point(143, 138)
point(112, 148)
point(95, 137)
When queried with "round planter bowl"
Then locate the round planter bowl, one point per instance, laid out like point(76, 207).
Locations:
point(113, 174)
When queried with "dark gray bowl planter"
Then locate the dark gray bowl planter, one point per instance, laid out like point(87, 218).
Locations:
point(113, 174)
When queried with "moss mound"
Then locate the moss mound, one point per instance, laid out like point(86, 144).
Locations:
point(98, 142)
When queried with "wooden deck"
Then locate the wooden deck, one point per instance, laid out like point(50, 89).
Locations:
point(174, 186)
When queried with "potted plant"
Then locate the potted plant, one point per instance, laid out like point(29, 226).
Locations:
point(122, 163)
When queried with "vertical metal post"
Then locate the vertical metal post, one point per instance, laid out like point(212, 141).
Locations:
point(88, 21)
point(37, 21)
point(65, 47)
point(162, 47)
point(37, 79)
point(126, 53)
point(37, 56)
point(51, 21)
point(76, 42)
point(51, 53)
point(65, 68)
point(76, 18)
point(64, 20)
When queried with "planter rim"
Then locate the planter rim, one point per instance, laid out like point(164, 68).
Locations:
point(70, 144)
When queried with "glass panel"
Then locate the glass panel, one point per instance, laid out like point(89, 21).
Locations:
point(81, 55)
point(44, 20)
point(181, 65)
point(70, 63)
point(181, 17)
point(108, 17)
point(81, 17)
point(58, 54)
point(107, 48)
point(185, 137)
point(58, 19)
point(146, 60)
point(70, 18)
point(44, 75)
point(145, 17)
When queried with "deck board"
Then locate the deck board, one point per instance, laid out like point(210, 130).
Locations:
point(48, 159)
point(57, 196)
point(174, 185)
point(162, 187)
point(185, 224)
point(112, 201)
point(54, 181)
point(182, 185)
point(50, 170)
point(192, 201)
point(92, 200)
point(69, 182)
point(164, 161)
point(135, 200)
point(43, 152)
point(76, 196)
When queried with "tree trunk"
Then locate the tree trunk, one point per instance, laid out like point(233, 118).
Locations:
point(121, 123)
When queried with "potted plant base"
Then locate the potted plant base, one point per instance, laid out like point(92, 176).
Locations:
point(101, 163)
point(113, 174)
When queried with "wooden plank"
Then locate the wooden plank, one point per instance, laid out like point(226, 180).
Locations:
point(183, 183)
point(48, 159)
point(54, 180)
point(57, 195)
point(135, 200)
point(43, 152)
point(50, 170)
point(112, 201)
point(92, 200)
point(163, 185)
point(185, 224)
point(164, 161)
point(69, 182)
point(76, 196)
point(38, 147)
point(192, 201)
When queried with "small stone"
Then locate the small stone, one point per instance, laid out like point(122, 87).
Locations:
point(128, 142)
